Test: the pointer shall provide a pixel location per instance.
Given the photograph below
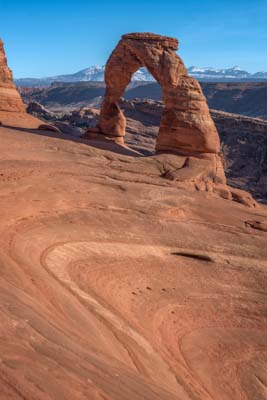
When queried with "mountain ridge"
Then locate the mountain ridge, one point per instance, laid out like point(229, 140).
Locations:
point(96, 73)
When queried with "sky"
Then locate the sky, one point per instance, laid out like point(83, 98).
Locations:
point(46, 38)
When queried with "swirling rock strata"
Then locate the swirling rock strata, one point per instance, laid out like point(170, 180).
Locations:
point(118, 284)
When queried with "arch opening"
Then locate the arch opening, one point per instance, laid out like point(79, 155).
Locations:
point(142, 75)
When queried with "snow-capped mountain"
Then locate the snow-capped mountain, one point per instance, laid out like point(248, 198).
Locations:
point(210, 73)
point(262, 74)
point(96, 73)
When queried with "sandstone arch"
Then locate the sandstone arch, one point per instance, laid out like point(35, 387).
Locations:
point(186, 126)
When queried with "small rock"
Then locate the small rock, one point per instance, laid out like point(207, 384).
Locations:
point(48, 127)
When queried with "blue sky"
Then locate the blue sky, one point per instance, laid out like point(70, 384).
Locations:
point(45, 38)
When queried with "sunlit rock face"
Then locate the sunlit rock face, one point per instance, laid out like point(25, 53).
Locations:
point(119, 284)
point(10, 99)
point(186, 126)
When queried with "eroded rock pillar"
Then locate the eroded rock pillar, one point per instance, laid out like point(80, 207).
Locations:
point(120, 67)
point(10, 99)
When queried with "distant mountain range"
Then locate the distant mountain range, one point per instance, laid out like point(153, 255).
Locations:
point(234, 73)
point(96, 73)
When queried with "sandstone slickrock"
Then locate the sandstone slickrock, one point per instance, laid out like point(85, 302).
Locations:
point(243, 142)
point(10, 99)
point(243, 139)
point(119, 284)
point(120, 281)
point(186, 126)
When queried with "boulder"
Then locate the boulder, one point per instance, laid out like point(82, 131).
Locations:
point(38, 110)
point(48, 127)
point(68, 129)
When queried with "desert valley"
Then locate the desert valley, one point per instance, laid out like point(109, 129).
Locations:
point(133, 234)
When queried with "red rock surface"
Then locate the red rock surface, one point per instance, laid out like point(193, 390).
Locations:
point(127, 277)
point(119, 284)
point(10, 99)
point(12, 109)
point(243, 142)
point(243, 139)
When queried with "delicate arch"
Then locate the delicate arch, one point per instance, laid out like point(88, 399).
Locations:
point(186, 126)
